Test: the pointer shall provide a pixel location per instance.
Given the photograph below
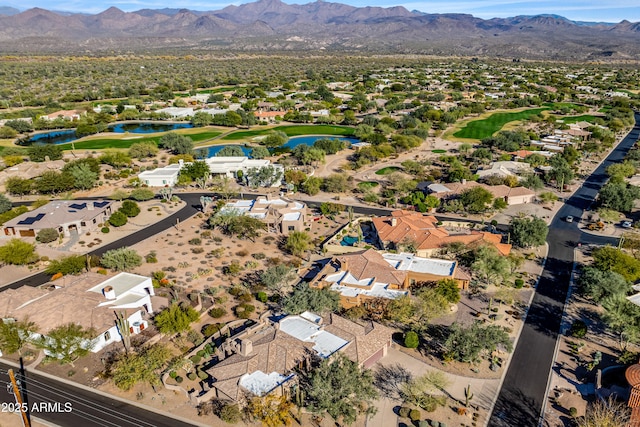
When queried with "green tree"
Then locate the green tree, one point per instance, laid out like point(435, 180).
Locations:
point(277, 278)
point(47, 235)
point(612, 259)
point(619, 171)
point(39, 153)
point(335, 183)
point(618, 196)
point(598, 284)
point(468, 344)
point(14, 335)
point(271, 410)
point(339, 388)
point(71, 264)
point(561, 171)
point(20, 126)
point(245, 227)
point(144, 366)
point(117, 159)
point(527, 232)
point(175, 318)
point(121, 259)
point(67, 343)
point(230, 151)
point(330, 210)
point(18, 186)
point(411, 339)
point(17, 252)
point(605, 414)
point(176, 143)
point(142, 194)
point(304, 298)
point(53, 182)
point(275, 139)
point(420, 391)
point(489, 265)
point(259, 152)
point(266, 176)
point(312, 185)
point(200, 119)
point(83, 176)
point(298, 243)
point(449, 289)
point(141, 150)
point(129, 208)
point(5, 204)
point(476, 199)
point(118, 219)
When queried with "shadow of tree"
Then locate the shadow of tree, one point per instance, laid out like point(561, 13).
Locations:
point(389, 379)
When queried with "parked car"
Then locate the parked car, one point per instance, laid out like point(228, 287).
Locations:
point(627, 224)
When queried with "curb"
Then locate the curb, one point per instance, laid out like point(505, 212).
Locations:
point(107, 395)
point(517, 338)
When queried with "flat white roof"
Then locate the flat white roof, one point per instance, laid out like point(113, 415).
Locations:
point(410, 262)
point(121, 283)
point(260, 383)
point(304, 330)
point(377, 290)
point(292, 216)
point(438, 188)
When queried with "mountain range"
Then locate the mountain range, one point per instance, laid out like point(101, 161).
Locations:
point(268, 25)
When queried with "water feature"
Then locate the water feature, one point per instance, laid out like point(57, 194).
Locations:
point(69, 135)
point(309, 140)
point(148, 127)
point(213, 150)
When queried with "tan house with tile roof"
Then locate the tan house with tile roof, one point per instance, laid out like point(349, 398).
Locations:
point(511, 195)
point(279, 214)
point(422, 231)
point(261, 360)
point(364, 276)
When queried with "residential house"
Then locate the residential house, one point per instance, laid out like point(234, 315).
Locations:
point(505, 169)
point(269, 116)
point(64, 114)
point(511, 195)
point(422, 231)
point(90, 300)
point(166, 176)
point(280, 215)
point(29, 170)
point(229, 166)
point(176, 112)
point(67, 216)
point(363, 276)
point(261, 359)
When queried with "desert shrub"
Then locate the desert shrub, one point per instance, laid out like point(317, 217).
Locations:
point(414, 415)
point(118, 219)
point(197, 250)
point(191, 376)
point(203, 375)
point(519, 283)
point(105, 230)
point(195, 359)
point(244, 297)
point(179, 379)
point(243, 311)
point(230, 414)
point(411, 340)
point(47, 235)
point(217, 312)
point(195, 241)
point(404, 412)
point(259, 256)
point(173, 374)
point(130, 208)
point(261, 296)
point(242, 253)
point(578, 329)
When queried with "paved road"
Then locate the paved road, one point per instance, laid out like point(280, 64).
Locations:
point(523, 392)
point(78, 407)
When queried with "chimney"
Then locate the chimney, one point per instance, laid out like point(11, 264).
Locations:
point(246, 347)
point(464, 181)
point(108, 292)
point(344, 265)
point(91, 206)
point(394, 221)
point(181, 163)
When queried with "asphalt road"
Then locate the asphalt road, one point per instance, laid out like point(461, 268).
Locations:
point(523, 392)
point(69, 406)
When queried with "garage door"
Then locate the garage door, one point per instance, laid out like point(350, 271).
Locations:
point(27, 233)
point(373, 359)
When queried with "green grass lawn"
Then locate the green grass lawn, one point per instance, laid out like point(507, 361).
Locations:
point(292, 131)
point(367, 185)
point(388, 170)
point(484, 128)
point(104, 143)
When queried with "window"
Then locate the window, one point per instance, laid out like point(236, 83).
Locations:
point(83, 224)
point(94, 220)
point(107, 336)
point(292, 227)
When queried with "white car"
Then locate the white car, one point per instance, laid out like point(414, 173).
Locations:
point(569, 218)
point(627, 224)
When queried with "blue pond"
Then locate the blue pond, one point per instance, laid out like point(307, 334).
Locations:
point(68, 135)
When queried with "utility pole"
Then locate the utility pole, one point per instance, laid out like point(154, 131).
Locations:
point(19, 402)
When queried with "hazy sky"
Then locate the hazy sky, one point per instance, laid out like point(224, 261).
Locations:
point(583, 10)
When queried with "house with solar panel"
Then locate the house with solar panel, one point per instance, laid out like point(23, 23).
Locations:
point(67, 216)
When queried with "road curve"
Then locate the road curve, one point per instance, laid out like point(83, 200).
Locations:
point(521, 398)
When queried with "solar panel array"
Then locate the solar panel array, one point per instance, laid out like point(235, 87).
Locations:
point(31, 219)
